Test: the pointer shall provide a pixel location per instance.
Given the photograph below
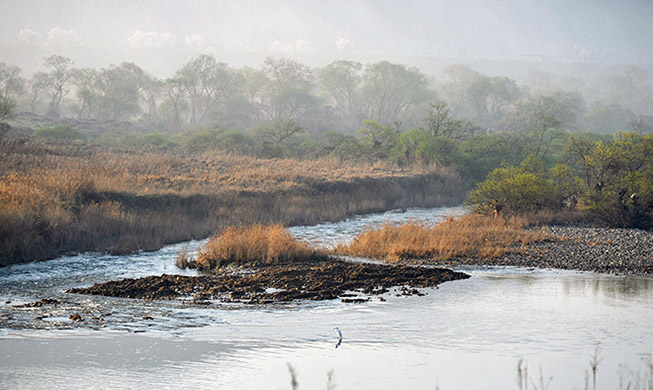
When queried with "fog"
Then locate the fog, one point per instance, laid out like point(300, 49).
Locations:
point(504, 38)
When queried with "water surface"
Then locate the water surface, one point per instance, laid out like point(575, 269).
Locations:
point(466, 334)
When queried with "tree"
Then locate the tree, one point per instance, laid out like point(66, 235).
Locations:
point(59, 77)
point(543, 119)
point(630, 89)
point(206, 81)
point(254, 88)
point(524, 189)
point(619, 179)
point(377, 138)
point(287, 73)
point(11, 84)
point(342, 145)
point(441, 123)
point(341, 81)
point(7, 106)
point(288, 95)
point(502, 92)
point(457, 85)
point(389, 90)
point(610, 118)
point(119, 88)
point(280, 131)
point(87, 82)
point(414, 145)
point(275, 136)
point(641, 125)
point(38, 83)
point(151, 90)
point(174, 91)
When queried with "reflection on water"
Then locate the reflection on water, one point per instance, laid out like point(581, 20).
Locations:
point(631, 288)
point(465, 334)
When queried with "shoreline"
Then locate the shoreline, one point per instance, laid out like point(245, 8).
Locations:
point(590, 249)
point(149, 222)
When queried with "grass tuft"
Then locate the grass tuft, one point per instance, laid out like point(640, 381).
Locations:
point(469, 236)
point(267, 244)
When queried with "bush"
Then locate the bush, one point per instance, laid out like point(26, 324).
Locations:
point(115, 136)
point(156, 139)
point(619, 179)
point(527, 188)
point(200, 140)
point(60, 133)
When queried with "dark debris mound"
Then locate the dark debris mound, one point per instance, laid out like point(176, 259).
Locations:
point(279, 283)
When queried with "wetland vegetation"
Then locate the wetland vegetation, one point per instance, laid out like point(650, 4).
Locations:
point(132, 162)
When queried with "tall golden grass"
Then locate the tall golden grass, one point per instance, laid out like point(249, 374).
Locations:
point(266, 244)
point(58, 198)
point(468, 236)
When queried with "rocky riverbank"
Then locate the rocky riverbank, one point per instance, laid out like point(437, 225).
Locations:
point(606, 250)
point(318, 280)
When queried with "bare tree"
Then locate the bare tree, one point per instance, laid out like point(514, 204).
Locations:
point(59, 77)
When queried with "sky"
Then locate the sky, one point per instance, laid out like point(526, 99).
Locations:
point(161, 34)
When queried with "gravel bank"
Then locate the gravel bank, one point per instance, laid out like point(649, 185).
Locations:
point(606, 250)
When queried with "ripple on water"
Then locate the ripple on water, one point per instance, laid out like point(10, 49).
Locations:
point(551, 318)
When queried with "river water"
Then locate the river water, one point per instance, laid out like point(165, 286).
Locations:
point(467, 334)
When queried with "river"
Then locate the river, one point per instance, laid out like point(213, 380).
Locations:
point(467, 334)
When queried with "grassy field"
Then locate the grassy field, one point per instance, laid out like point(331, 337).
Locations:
point(58, 198)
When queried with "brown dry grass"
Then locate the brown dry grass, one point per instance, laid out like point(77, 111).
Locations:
point(268, 244)
point(468, 236)
point(147, 172)
point(57, 198)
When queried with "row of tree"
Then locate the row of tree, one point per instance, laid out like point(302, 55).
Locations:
point(339, 96)
point(611, 179)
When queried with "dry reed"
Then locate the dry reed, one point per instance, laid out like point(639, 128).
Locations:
point(268, 244)
point(60, 198)
point(468, 236)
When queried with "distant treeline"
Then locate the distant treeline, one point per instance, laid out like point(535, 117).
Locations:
point(337, 97)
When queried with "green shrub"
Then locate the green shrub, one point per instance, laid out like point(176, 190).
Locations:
point(342, 145)
point(60, 133)
point(115, 136)
point(619, 180)
point(527, 188)
point(156, 139)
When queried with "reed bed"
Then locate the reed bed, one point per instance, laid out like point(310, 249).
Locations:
point(260, 244)
point(166, 172)
point(58, 198)
point(468, 236)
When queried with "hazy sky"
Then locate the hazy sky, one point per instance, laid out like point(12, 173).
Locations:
point(108, 31)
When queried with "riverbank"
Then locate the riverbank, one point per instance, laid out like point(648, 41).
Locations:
point(596, 249)
point(524, 241)
point(66, 198)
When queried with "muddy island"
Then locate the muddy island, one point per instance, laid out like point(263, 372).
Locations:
point(312, 280)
